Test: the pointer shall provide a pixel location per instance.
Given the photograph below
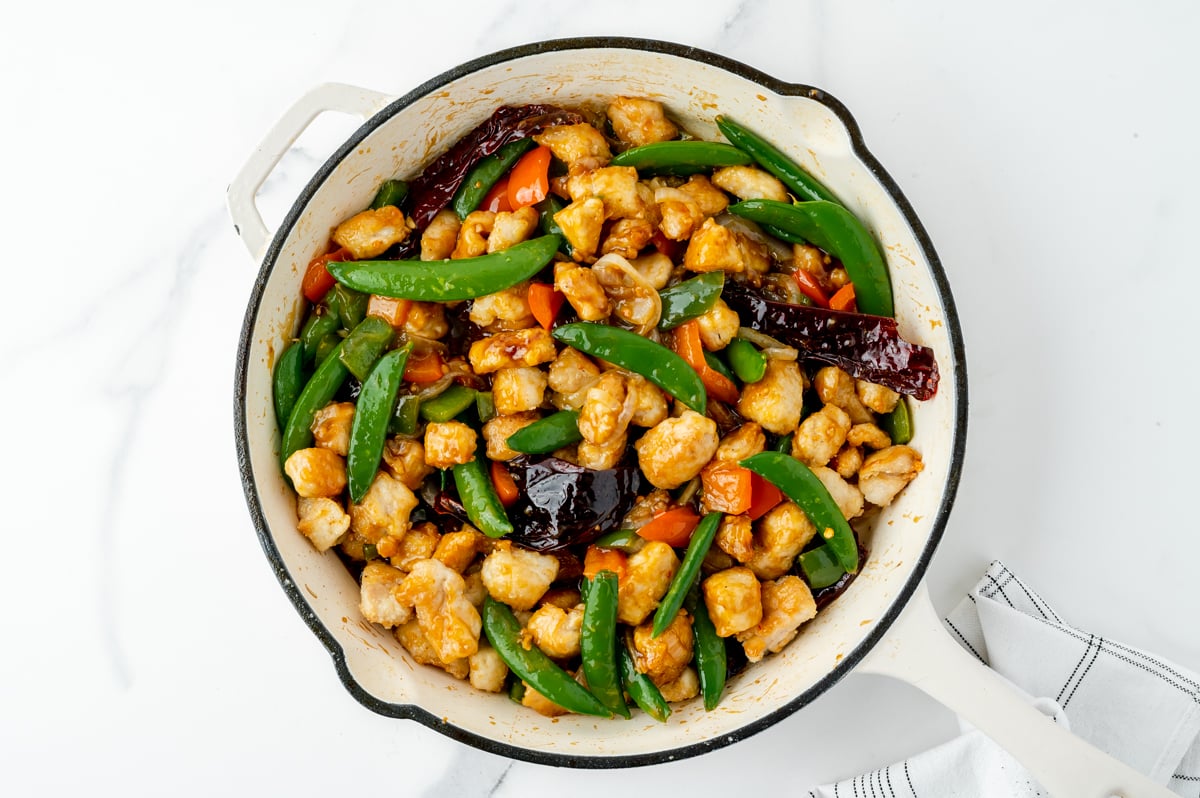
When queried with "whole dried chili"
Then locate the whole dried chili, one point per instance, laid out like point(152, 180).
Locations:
point(433, 189)
point(867, 347)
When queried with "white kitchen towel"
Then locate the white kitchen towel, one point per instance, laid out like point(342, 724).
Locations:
point(1133, 705)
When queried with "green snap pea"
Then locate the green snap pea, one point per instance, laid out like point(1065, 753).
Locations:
point(484, 175)
point(784, 235)
point(689, 299)
point(821, 567)
point(447, 280)
point(392, 192)
point(479, 499)
point(784, 444)
point(365, 344)
point(643, 691)
point(372, 412)
point(288, 382)
point(598, 642)
point(547, 208)
point(771, 158)
point(803, 487)
point(449, 403)
point(640, 355)
point(837, 231)
point(715, 363)
point(548, 434)
point(532, 666)
point(898, 423)
point(681, 157)
point(321, 387)
point(749, 364)
point(709, 650)
point(319, 327)
point(405, 416)
point(689, 571)
point(485, 406)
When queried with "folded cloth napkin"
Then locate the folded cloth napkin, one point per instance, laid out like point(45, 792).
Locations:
point(1131, 704)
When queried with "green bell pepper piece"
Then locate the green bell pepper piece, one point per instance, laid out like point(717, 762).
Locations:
point(449, 403)
point(689, 299)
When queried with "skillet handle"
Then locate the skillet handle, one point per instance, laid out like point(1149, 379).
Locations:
point(918, 650)
point(243, 191)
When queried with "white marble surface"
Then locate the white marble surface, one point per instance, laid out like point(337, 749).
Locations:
point(1050, 150)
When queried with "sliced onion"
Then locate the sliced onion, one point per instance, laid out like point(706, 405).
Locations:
point(781, 253)
point(770, 346)
point(643, 291)
point(667, 193)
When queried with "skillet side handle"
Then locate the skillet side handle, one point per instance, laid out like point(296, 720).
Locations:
point(242, 193)
point(918, 650)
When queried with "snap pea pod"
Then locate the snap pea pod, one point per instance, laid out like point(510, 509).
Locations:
point(392, 192)
point(640, 355)
point(547, 435)
point(709, 650)
point(447, 280)
point(288, 382)
point(681, 157)
point(405, 416)
point(821, 567)
point(898, 423)
point(449, 403)
point(321, 387)
point(715, 362)
point(689, 299)
point(598, 642)
point(643, 691)
point(318, 327)
point(784, 235)
point(784, 444)
point(485, 406)
point(365, 344)
point(479, 499)
point(547, 208)
point(771, 158)
point(837, 231)
point(372, 412)
point(689, 571)
point(803, 487)
point(749, 364)
point(532, 666)
point(485, 173)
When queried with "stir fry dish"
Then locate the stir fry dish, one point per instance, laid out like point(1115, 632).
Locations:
point(590, 405)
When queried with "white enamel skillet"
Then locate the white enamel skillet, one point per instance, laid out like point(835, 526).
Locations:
point(884, 623)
